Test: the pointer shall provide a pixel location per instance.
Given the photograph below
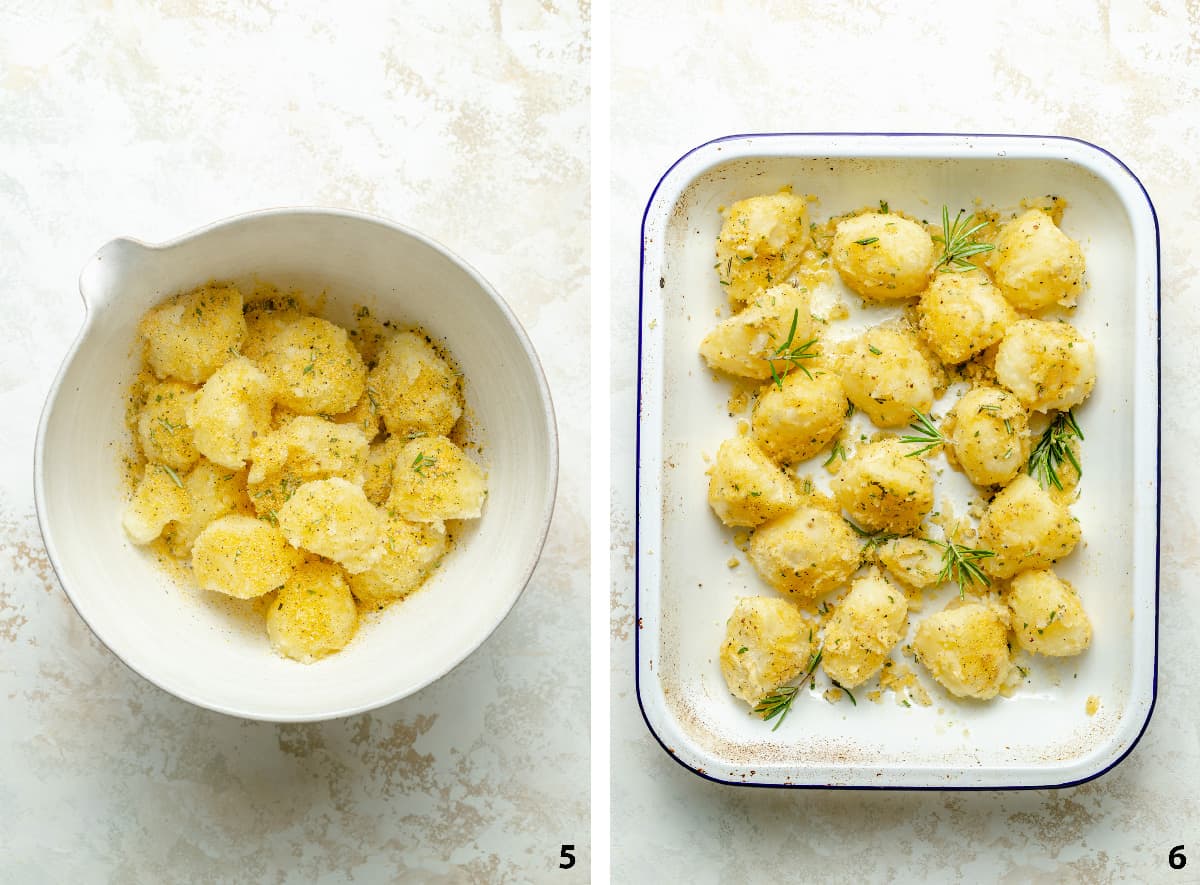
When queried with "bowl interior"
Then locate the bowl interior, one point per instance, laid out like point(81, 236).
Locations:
point(215, 652)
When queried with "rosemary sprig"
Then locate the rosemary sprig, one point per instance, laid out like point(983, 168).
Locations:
point(421, 462)
point(792, 354)
point(1053, 448)
point(957, 242)
point(961, 565)
point(778, 702)
point(925, 435)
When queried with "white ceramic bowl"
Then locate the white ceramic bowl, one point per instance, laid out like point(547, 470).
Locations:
point(216, 655)
point(1042, 734)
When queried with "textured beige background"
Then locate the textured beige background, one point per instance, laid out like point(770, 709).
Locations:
point(467, 120)
point(1125, 75)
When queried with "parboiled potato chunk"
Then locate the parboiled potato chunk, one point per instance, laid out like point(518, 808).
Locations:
point(966, 650)
point(806, 553)
point(242, 557)
point(213, 491)
point(416, 389)
point(886, 375)
point(794, 422)
point(883, 257)
point(743, 343)
point(963, 314)
point(1026, 529)
point(381, 462)
point(157, 500)
point(1047, 615)
point(767, 644)
point(1036, 265)
point(761, 242)
point(988, 429)
point(194, 333)
point(412, 550)
point(304, 449)
point(334, 519)
point(914, 562)
point(745, 487)
point(230, 410)
point(883, 489)
point(313, 615)
point(434, 480)
point(162, 425)
point(1048, 365)
point(266, 318)
point(864, 628)
point(315, 367)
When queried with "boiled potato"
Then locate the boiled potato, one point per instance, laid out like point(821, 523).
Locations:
point(883, 489)
point(313, 614)
point(767, 644)
point(914, 562)
point(989, 434)
point(212, 491)
point(1048, 365)
point(416, 389)
point(1026, 529)
point(1036, 265)
point(315, 367)
point(230, 410)
point(761, 242)
point(193, 334)
point(381, 462)
point(742, 344)
point(745, 487)
point(886, 375)
point(411, 551)
point(304, 449)
point(966, 650)
point(864, 628)
point(883, 257)
point(795, 421)
point(962, 314)
point(806, 553)
point(266, 318)
point(433, 480)
point(162, 425)
point(334, 519)
point(1047, 616)
point(158, 499)
point(242, 557)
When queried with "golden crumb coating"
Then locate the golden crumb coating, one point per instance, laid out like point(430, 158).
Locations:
point(315, 367)
point(966, 650)
point(1048, 365)
point(230, 410)
point(767, 644)
point(1036, 265)
point(365, 415)
point(883, 257)
point(242, 557)
point(158, 499)
point(745, 487)
point(265, 318)
point(162, 425)
point(887, 375)
point(988, 429)
point(193, 334)
point(412, 550)
point(794, 421)
point(883, 488)
point(806, 553)
point(433, 480)
point(212, 491)
point(762, 241)
point(863, 630)
point(415, 388)
point(303, 449)
point(1026, 528)
point(963, 314)
point(334, 519)
point(743, 344)
point(313, 615)
point(381, 462)
point(1047, 614)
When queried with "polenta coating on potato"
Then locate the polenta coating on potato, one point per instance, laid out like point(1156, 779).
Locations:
point(806, 553)
point(863, 630)
point(745, 487)
point(265, 318)
point(242, 557)
point(433, 480)
point(988, 429)
point(416, 389)
point(303, 449)
point(1036, 265)
point(231, 409)
point(1047, 615)
point(767, 644)
point(963, 314)
point(190, 336)
point(162, 425)
point(966, 650)
point(796, 419)
point(212, 491)
point(377, 474)
point(887, 375)
point(411, 550)
point(334, 519)
point(762, 241)
point(160, 498)
point(914, 562)
point(365, 416)
point(1026, 529)
point(745, 343)
point(883, 257)
point(315, 367)
point(883, 489)
point(1047, 365)
point(313, 614)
